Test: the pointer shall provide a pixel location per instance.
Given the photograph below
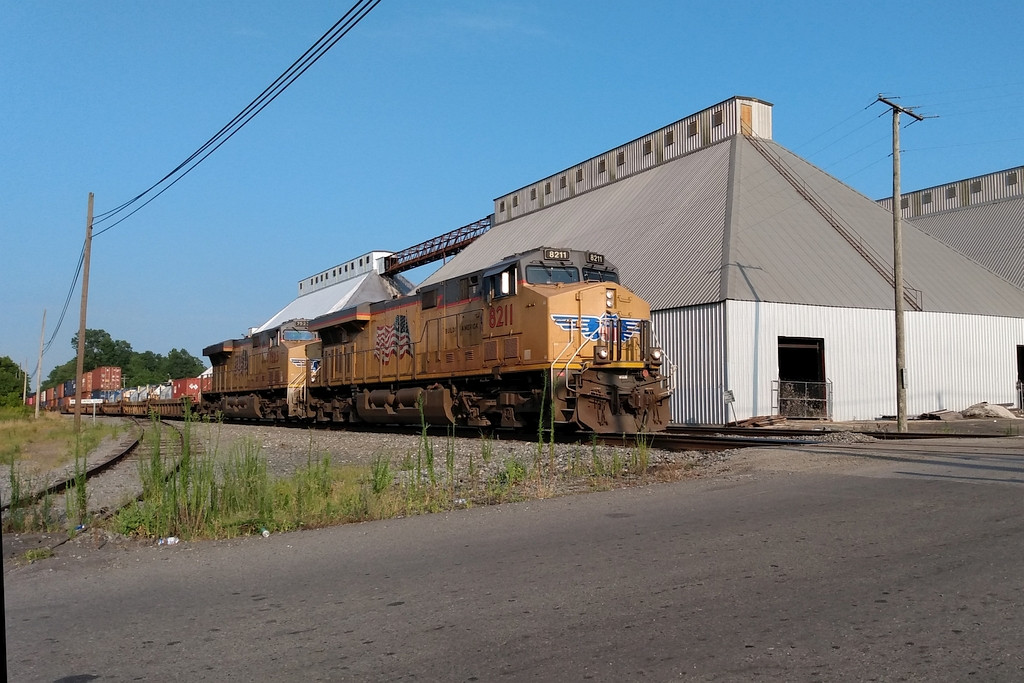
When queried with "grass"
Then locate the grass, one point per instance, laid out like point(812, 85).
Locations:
point(190, 497)
point(51, 439)
point(33, 446)
point(198, 493)
point(37, 554)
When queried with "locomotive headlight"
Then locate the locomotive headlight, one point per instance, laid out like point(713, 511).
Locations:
point(601, 354)
point(609, 297)
point(657, 357)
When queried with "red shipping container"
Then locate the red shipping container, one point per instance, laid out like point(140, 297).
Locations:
point(106, 378)
point(206, 383)
point(188, 386)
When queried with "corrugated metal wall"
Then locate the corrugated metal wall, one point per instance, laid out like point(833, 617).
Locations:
point(695, 132)
point(955, 361)
point(694, 341)
point(977, 190)
point(951, 360)
point(860, 356)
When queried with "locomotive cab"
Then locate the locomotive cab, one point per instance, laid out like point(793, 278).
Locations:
point(604, 371)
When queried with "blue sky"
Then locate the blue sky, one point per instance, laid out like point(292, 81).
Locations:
point(414, 122)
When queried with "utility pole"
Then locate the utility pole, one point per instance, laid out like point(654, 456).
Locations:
point(81, 320)
point(897, 263)
point(39, 367)
point(24, 383)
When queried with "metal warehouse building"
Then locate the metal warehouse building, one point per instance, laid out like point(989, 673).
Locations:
point(980, 217)
point(771, 281)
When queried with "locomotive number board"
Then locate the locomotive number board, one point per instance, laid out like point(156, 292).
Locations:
point(556, 254)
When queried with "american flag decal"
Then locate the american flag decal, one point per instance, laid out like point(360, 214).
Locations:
point(393, 340)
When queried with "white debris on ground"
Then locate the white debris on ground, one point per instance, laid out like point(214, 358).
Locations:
point(981, 410)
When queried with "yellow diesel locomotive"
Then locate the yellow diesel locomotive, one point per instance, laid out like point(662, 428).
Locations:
point(546, 330)
point(546, 335)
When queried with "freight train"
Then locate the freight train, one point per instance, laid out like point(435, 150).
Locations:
point(543, 338)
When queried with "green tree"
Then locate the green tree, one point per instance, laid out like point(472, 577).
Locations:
point(180, 363)
point(137, 368)
point(102, 350)
point(61, 373)
point(144, 368)
point(12, 381)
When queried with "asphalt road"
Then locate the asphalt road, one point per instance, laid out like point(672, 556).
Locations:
point(882, 562)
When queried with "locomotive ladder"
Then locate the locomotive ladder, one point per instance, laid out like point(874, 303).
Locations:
point(910, 294)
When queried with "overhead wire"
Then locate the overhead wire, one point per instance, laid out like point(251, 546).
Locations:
point(313, 54)
point(318, 49)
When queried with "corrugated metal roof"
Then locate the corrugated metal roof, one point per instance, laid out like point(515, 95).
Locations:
point(724, 223)
point(948, 280)
point(991, 234)
point(671, 214)
point(360, 289)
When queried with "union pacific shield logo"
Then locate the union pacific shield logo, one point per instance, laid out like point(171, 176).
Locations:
point(594, 327)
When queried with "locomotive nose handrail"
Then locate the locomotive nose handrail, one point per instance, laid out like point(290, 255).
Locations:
point(557, 358)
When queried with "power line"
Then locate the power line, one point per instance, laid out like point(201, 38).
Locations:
point(313, 54)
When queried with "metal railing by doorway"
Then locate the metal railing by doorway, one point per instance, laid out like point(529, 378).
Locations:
point(802, 399)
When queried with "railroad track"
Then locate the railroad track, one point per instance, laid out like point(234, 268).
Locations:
point(675, 438)
point(112, 480)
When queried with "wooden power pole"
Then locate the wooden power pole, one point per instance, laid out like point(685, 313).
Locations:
point(39, 367)
point(897, 263)
point(81, 320)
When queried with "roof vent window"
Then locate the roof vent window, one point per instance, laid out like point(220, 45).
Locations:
point(647, 147)
point(600, 166)
point(976, 187)
point(926, 198)
point(1011, 178)
point(716, 118)
point(951, 193)
point(691, 129)
point(579, 175)
point(670, 137)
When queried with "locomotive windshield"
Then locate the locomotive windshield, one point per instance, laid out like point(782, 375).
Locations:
point(297, 335)
point(595, 275)
point(549, 275)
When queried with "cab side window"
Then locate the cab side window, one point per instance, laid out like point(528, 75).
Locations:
point(501, 284)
